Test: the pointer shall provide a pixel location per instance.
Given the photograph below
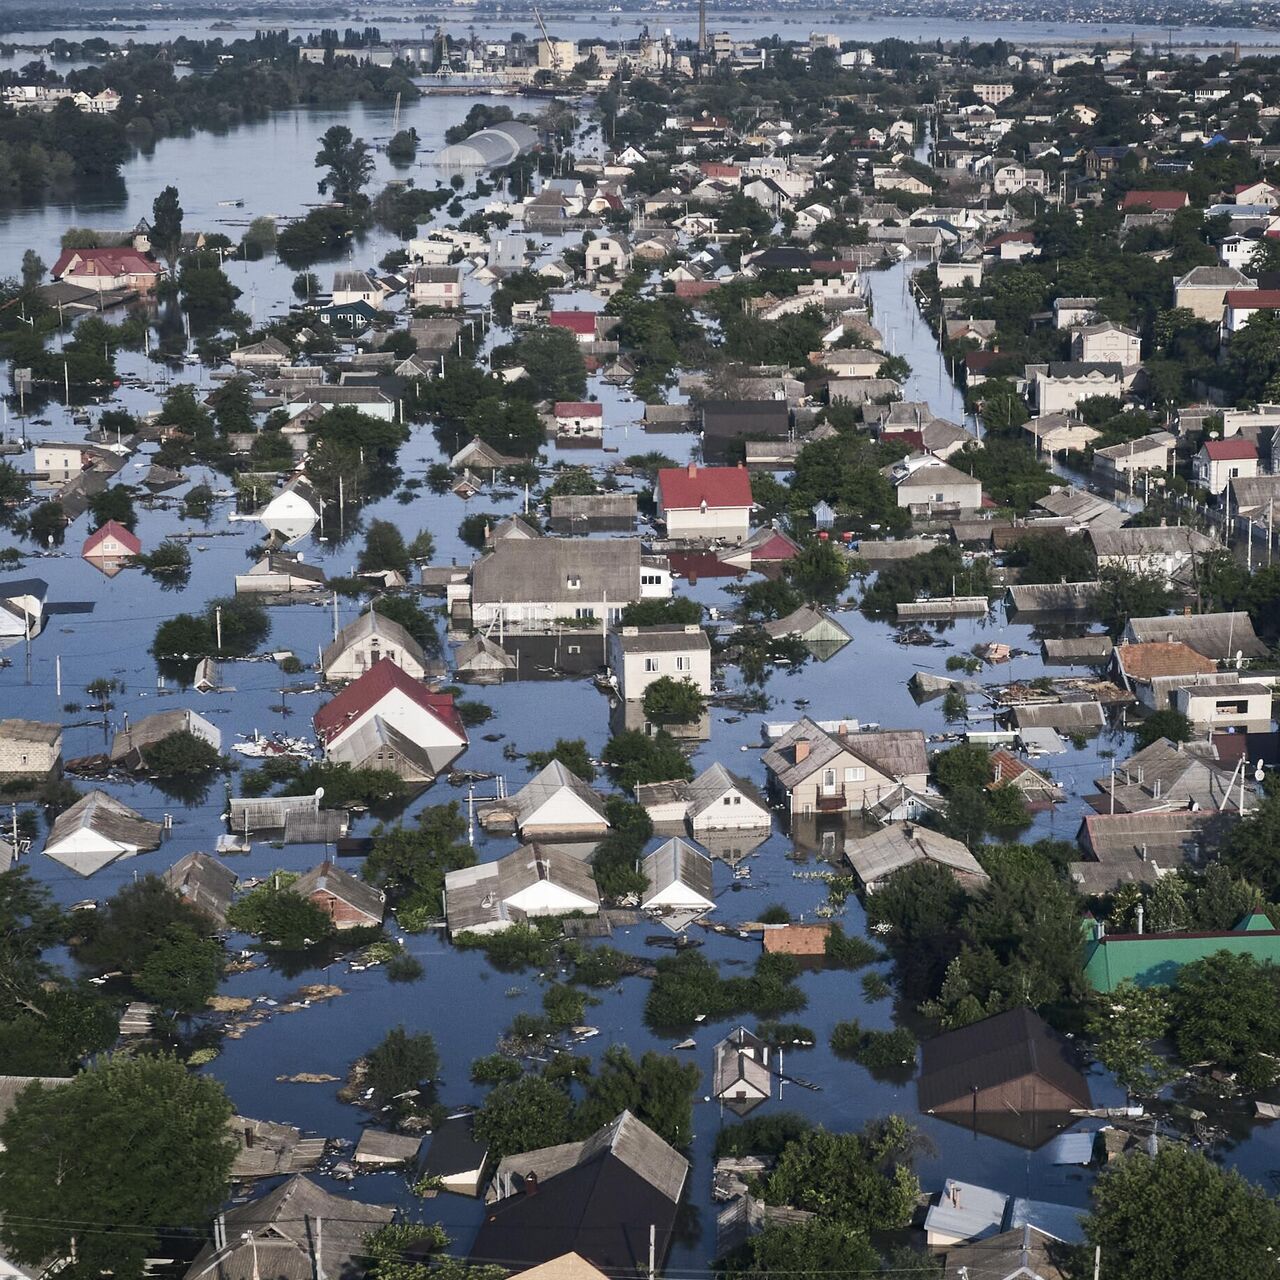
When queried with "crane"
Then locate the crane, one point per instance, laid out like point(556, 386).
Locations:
point(552, 55)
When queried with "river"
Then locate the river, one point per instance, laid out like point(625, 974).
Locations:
point(461, 1000)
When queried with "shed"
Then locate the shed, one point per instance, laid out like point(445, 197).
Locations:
point(1010, 1076)
point(384, 1150)
point(482, 660)
point(456, 1157)
point(1066, 717)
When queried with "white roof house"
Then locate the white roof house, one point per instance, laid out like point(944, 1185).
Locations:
point(679, 879)
point(97, 830)
point(720, 801)
point(533, 881)
point(740, 1072)
point(555, 801)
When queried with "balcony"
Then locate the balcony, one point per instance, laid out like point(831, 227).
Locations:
point(831, 801)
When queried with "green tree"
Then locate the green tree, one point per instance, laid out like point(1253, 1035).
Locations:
point(183, 970)
point(861, 1179)
point(634, 757)
point(122, 934)
point(1179, 1216)
point(180, 755)
point(653, 613)
point(1163, 724)
point(384, 549)
point(819, 572)
point(1125, 594)
point(1051, 556)
point(658, 1089)
point(1226, 1010)
point(280, 917)
point(166, 224)
point(668, 701)
point(409, 865)
point(1128, 1024)
point(816, 1247)
point(172, 1123)
point(33, 269)
point(571, 752)
point(523, 1115)
point(348, 162)
point(114, 503)
point(400, 1063)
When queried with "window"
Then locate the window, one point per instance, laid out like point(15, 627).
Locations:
point(939, 497)
point(651, 579)
point(585, 611)
point(651, 664)
point(683, 664)
point(573, 648)
point(855, 774)
point(574, 583)
point(828, 779)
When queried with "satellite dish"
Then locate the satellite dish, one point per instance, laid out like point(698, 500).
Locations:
point(1259, 772)
point(319, 793)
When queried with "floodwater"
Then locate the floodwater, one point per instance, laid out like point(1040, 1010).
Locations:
point(461, 1000)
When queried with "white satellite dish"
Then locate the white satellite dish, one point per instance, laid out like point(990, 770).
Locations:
point(1259, 773)
point(319, 793)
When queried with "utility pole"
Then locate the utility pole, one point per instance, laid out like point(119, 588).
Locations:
point(217, 622)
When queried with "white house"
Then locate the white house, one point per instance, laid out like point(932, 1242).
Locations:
point(1106, 343)
point(533, 881)
point(740, 1076)
point(436, 286)
point(356, 286)
point(387, 694)
point(927, 483)
point(678, 879)
point(97, 830)
point(1221, 461)
point(369, 639)
point(705, 503)
point(640, 655)
point(554, 802)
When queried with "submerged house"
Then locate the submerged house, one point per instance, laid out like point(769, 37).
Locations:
point(740, 1074)
point(1010, 1076)
point(387, 720)
point(818, 771)
point(371, 638)
point(1154, 959)
point(535, 880)
point(611, 1199)
point(456, 1156)
point(129, 746)
point(29, 750)
point(205, 883)
point(876, 857)
point(348, 901)
point(296, 1230)
point(678, 880)
point(97, 830)
point(554, 802)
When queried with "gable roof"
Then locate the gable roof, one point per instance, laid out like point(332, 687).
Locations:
point(538, 570)
point(104, 262)
point(1162, 658)
point(364, 693)
point(105, 815)
point(996, 1051)
point(599, 1198)
point(112, 529)
point(204, 882)
point(687, 488)
point(713, 782)
point(285, 1244)
point(901, 844)
point(1235, 449)
point(372, 623)
point(1215, 635)
point(329, 878)
point(546, 783)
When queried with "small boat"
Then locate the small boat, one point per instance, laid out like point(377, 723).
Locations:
point(237, 203)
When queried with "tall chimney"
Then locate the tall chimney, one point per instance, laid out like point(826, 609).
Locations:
point(1140, 913)
point(802, 749)
point(693, 470)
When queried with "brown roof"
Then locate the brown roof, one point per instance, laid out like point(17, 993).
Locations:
point(1162, 658)
point(797, 939)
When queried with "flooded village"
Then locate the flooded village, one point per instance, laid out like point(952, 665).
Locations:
point(638, 655)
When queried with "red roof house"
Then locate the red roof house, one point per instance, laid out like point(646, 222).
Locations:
point(580, 323)
point(111, 541)
point(578, 409)
point(1231, 450)
point(1154, 201)
point(705, 502)
point(388, 720)
point(107, 269)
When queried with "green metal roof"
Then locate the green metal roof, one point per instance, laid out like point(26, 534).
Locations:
point(1153, 959)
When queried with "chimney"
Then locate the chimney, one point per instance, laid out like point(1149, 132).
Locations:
point(220, 1232)
point(802, 749)
point(248, 1137)
point(530, 1184)
point(693, 470)
point(1140, 914)
point(955, 1195)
